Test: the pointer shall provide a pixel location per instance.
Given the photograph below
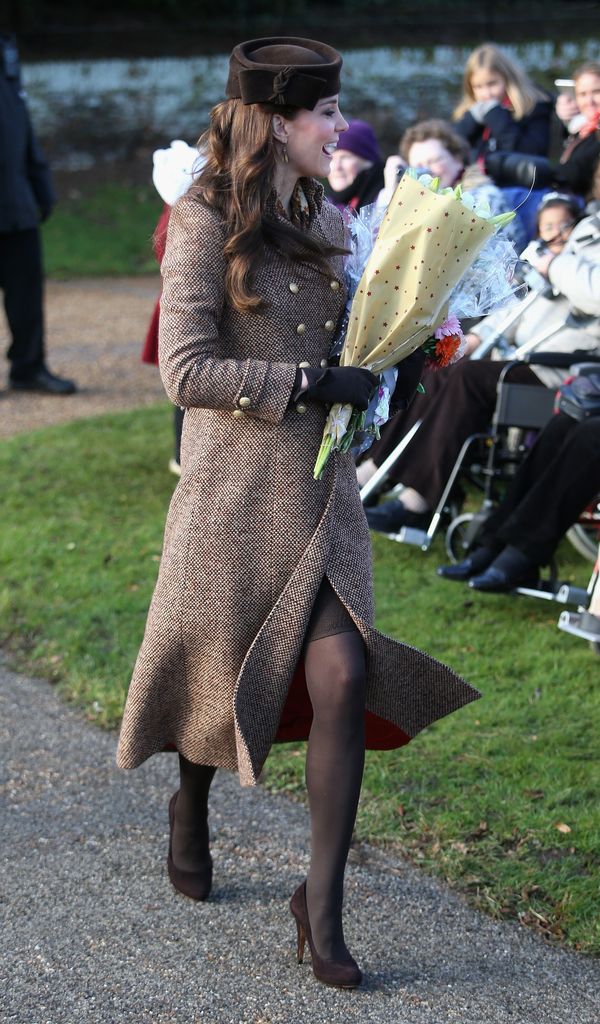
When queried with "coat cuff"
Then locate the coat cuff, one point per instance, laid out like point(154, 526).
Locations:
point(266, 390)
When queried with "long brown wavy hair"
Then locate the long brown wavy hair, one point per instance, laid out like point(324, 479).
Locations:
point(237, 180)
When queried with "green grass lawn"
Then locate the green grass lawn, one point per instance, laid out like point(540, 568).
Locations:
point(106, 231)
point(501, 798)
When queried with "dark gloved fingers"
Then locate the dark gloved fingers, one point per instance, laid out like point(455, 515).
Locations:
point(349, 385)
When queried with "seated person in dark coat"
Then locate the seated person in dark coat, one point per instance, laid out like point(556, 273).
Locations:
point(557, 481)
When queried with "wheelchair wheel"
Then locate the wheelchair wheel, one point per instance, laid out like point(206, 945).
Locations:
point(584, 540)
point(457, 544)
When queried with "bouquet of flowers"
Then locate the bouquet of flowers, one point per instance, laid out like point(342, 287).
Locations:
point(413, 288)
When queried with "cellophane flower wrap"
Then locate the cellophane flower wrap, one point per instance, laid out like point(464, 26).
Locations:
point(427, 241)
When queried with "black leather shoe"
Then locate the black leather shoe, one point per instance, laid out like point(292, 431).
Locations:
point(44, 381)
point(470, 566)
point(499, 581)
point(392, 515)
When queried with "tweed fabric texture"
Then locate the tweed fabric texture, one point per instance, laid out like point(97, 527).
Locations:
point(250, 534)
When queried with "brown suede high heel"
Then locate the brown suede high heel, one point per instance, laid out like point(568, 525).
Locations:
point(330, 972)
point(195, 884)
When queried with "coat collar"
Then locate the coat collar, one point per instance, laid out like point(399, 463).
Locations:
point(306, 203)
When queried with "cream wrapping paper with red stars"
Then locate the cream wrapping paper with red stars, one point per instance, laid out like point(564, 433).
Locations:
point(426, 242)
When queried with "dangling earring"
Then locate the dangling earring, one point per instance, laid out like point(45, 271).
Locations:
point(284, 153)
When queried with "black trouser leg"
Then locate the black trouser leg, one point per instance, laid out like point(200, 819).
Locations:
point(21, 278)
point(335, 677)
point(557, 480)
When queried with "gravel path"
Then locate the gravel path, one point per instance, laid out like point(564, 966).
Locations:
point(93, 932)
point(95, 329)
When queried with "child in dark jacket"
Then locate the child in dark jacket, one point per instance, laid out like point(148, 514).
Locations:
point(501, 109)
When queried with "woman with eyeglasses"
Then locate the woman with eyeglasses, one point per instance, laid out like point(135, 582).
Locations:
point(434, 146)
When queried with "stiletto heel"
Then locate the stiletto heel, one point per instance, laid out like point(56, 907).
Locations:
point(195, 884)
point(301, 940)
point(345, 974)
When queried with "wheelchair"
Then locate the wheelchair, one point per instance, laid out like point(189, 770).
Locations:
point(582, 625)
point(486, 462)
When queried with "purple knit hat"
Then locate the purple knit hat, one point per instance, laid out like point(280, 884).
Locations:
point(360, 139)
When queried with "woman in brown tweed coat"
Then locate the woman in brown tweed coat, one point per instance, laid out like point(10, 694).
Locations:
point(261, 624)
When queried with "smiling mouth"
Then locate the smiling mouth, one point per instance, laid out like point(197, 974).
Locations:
point(330, 149)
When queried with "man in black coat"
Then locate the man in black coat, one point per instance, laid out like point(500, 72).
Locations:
point(26, 198)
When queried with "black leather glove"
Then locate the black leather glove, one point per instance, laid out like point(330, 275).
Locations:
point(410, 371)
point(519, 169)
point(347, 384)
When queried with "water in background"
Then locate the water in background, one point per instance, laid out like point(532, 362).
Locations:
point(101, 110)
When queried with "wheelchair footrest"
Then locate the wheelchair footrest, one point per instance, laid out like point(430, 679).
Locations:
point(410, 535)
point(581, 624)
point(573, 595)
point(553, 590)
point(546, 590)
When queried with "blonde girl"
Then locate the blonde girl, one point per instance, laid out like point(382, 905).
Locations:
point(501, 109)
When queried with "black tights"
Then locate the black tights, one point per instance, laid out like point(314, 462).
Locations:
point(335, 678)
point(190, 835)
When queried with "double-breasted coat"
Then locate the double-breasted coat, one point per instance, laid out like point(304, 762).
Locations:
point(250, 534)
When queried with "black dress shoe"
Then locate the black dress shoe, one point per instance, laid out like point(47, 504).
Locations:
point(44, 381)
point(501, 581)
point(393, 515)
point(470, 566)
point(510, 569)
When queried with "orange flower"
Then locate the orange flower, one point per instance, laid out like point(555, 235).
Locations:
point(446, 348)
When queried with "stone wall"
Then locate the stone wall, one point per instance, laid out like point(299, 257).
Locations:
point(90, 111)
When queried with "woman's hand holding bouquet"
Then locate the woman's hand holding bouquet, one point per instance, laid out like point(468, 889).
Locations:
point(420, 276)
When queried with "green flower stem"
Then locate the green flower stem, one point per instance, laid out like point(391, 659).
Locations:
point(357, 422)
point(323, 456)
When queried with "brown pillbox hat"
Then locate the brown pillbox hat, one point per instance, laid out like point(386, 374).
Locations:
point(283, 70)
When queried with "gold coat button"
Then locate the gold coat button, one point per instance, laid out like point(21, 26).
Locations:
point(294, 288)
point(301, 408)
point(238, 414)
point(334, 285)
point(301, 328)
point(244, 402)
point(303, 366)
point(330, 325)
point(324, 363)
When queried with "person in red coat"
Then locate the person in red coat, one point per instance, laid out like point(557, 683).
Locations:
point(173, 172)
